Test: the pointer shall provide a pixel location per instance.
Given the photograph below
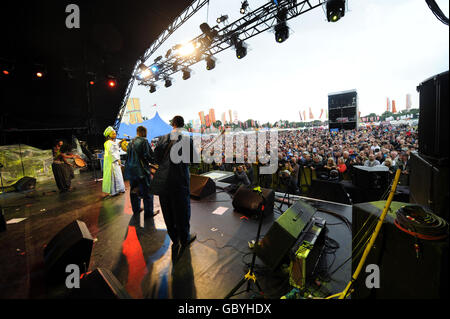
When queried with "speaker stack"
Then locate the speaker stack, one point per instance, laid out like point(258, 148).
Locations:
point(429, 167)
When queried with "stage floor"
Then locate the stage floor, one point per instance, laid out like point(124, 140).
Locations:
point(138, 251)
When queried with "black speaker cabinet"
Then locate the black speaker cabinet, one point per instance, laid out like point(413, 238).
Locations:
point(329, 190)
point(428, 185)
point(100, 284)
point(248, 202)
point(202, 186)
point(433, 116)
point(403, 275)
point(25, 183)
point(284, 233)
point(72, 245)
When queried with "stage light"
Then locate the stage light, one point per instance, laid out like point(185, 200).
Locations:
point(167, 83)
point(335, 10)
point(186, 74)
point(154, 68)
point(112, 83)
point(281, 29)
point(244, 6)
point(281, 32)
point(241, 49)
point(186, 49)
point(39, 74)
point(5, 72)
point(152, 88)
point(210, 63)
point(222, 19)
point(91, 82)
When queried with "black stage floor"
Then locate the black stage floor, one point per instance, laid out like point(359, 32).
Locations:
point(138, 252)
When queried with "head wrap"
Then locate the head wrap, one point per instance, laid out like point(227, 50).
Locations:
point(108, 131)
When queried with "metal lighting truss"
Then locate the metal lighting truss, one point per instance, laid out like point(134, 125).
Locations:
point(250, 25)
point(179, 20)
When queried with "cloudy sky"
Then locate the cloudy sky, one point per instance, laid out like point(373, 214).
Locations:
point(381, 48)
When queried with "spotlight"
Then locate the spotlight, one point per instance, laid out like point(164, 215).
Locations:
point(91, 78)
point(91, 82)
point(244, 6)
point(112, 83)
point(281, 29)
point(39, 74)
point(168, 83)
point(5, 72)
point(241, 49)
point(210, 63)
point(281, 32)
point(152, 88)
point(209, 33)
point(186, 74)
point(185, 49)
point(335, 10)
point(222, 19)
point(154, 68)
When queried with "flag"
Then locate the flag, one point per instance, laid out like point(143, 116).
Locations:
point(394, 110)
point(304, 115)
point(202, 117)
point(359, 114)
point(208, 124)
point(300, 113)
point(388, 105)
point(321, 112)
point(311, 116)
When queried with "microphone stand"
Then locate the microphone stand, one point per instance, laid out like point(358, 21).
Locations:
point(250, 275)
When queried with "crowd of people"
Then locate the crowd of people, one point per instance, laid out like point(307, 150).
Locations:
point(329, 155)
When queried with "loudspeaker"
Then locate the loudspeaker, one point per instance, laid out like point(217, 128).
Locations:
point(284, 233)
point(72, 245)
point(343, 110)
point(402, 273)
point(202, 186)
point(371, 178)
point(100, 284)
point(248, 202)
point(25, 183)
point(330, 191)
point(433, 116)
point(428, 185)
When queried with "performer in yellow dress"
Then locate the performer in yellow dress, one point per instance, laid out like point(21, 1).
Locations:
point(112, 173)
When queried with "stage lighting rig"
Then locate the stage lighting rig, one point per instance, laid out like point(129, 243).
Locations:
point(239, 45)
point(244, 6)
point(335, 10)
point(143, 72)
point(210, 63)
point(209, 34)
point(167, 82)
point(152, 88)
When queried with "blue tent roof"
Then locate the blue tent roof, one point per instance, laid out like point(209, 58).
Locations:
point(155, 127)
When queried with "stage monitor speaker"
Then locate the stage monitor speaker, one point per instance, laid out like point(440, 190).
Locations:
point(404, 274)
point(284, 233)
point(202, 186)
point(248, 202)
point(433, 116)
point(428, 185)
point(329, 190)
point(371, 178)
point(100, 284)
point(72, 245)
point(25, 183)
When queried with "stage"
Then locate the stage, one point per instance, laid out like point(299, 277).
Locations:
point(138, 251)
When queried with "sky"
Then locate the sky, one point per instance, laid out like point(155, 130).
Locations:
point(382, 48)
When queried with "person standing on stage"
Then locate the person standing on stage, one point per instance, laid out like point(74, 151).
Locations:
point(137, 171)
point(62, 169)
point(112, 173)
point(176, 202)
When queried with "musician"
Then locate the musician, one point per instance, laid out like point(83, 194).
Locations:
point(137, 171)
point(113, 183)
point(61, 166)
point(176, 203)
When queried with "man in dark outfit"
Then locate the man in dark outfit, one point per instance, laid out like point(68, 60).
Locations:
point(137, 171)
point(176, 202)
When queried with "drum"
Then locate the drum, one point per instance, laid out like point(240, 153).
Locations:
point(79, 162)
point(124, 145)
